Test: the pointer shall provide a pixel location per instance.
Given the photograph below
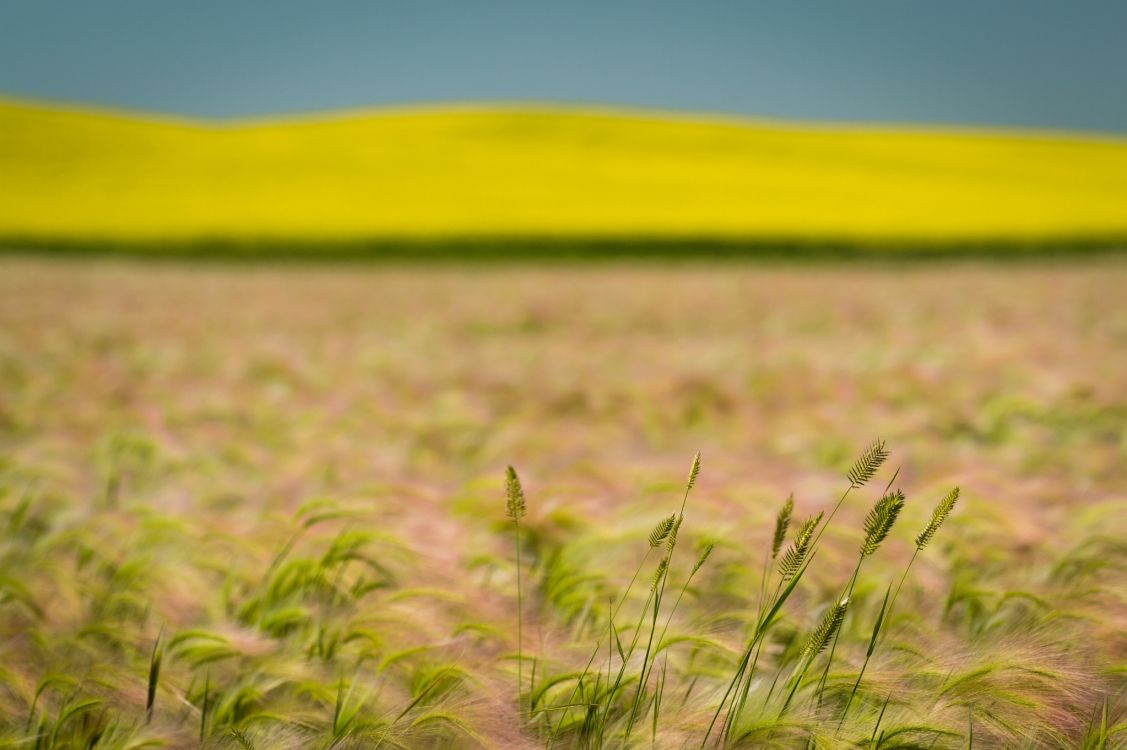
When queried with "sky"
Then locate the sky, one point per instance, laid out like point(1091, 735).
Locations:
point(1024, 63)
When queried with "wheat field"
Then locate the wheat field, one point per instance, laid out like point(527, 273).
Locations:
point(283, 520)
point(73, 175)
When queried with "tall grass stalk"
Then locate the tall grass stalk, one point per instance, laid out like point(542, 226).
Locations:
point(704, 555)
point(660, 583)
point(516, 507)
point(204, 706)
point(878, 523)
point(880, 717)
point(792, 567)
point(658, 696)
point(656, 538)
point(154, 676)
point(626, 655)
point(701, 559)
point(938, 516)
point(782, 524)
point(819, 639)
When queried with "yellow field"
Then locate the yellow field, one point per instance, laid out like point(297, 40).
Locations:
point(480, 171)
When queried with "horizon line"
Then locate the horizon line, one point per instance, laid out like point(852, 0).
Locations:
point(553, 106)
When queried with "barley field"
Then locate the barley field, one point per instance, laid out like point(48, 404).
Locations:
point(269, 507)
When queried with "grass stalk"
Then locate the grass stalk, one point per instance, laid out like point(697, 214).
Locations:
point(154, 676)
point(940, 513)
point(516, 507)
point(660, 583)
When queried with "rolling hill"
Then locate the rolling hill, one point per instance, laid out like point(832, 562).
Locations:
point(71, 175)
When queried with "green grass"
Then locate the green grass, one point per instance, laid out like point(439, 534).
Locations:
point(284, 520)
point(307, 673)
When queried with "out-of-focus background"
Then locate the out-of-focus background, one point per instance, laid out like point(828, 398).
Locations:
point(508, 128)
point(284, 286)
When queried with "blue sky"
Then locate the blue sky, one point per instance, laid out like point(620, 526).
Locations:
point(1029, 63)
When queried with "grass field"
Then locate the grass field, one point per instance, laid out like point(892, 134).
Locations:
point(410, 179)
point(266, 508)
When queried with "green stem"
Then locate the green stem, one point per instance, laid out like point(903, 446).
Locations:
point(740, 699)
point(797, 680)
point(849, 594)
point(520, 622)
point(622, 668)
point(760, 628)
point(902, 577)
point(657, 605)
point(833, 646)
point(738, 706)
point(598, 645)
point(639, 694)
point(882, 623)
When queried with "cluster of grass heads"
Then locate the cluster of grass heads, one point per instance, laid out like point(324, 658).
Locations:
point(788, 685)
point(303, 650)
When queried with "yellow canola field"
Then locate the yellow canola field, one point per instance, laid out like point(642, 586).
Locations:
point(497, 171)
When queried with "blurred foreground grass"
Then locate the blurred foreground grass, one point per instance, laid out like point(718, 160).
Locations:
point(294, 481)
